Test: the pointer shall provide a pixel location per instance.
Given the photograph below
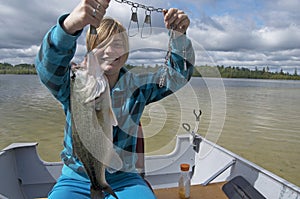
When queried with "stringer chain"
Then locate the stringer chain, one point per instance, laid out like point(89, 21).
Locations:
point(138, 5)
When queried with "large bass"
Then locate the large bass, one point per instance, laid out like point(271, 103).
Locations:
point(92, 121)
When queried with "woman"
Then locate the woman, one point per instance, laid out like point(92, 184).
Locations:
point(130, 92)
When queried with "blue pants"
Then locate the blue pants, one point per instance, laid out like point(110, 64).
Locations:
point(126, 186)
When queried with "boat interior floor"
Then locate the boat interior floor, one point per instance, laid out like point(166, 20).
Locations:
point(213, 190)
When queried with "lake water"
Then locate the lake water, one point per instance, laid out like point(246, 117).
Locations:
point(257, 119)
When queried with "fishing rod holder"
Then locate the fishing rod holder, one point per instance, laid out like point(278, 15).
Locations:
point(196, 138)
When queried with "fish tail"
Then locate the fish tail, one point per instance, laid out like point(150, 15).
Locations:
point(108, 189)
point(99, 194)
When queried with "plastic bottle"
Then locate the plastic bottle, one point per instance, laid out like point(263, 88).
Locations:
point(184, 182)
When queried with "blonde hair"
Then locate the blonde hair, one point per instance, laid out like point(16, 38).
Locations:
point(106, 30)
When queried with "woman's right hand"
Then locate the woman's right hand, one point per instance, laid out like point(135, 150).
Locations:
point(86, 12)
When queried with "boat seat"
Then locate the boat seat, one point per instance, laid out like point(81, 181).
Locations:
point(27, 176)
point(239, 187)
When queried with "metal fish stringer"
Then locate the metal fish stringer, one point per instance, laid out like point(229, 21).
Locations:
point(132, 31)
point(133, 28)
point(147, 31)
point(167, 59)
point(147, 26)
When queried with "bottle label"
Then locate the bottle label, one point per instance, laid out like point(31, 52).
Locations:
point(184, 189)
point(187, 188)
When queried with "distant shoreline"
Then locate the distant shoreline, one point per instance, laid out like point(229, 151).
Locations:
point(199, 71)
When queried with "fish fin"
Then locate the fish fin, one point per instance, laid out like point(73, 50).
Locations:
point(113, 118)
point(110, 191)
point(116, 163)
point(92, 65)
point(99, 194)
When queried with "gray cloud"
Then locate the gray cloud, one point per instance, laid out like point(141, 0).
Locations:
point(25, 22)
point(259, 33)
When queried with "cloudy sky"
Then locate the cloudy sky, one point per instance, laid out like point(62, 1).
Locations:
point(245, 33)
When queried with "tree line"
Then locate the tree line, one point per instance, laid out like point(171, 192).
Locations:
point(241, 72)
point(199, 71)
point(228, 72)
point(6, 68)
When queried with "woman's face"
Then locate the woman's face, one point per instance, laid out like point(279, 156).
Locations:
point(112, 55)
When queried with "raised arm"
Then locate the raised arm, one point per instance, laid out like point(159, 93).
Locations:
point(52, 61)
point(180, 64)
point(59, 45)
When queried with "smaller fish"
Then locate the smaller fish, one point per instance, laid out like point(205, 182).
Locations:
point(92, 121)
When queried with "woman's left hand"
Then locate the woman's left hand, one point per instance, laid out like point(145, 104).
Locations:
point(176, 19)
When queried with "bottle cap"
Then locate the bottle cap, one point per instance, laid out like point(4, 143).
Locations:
point(184, 167)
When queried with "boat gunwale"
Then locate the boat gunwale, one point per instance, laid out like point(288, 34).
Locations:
point(253, 165)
